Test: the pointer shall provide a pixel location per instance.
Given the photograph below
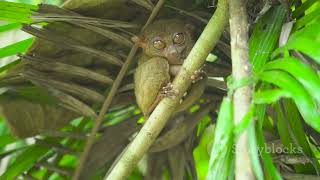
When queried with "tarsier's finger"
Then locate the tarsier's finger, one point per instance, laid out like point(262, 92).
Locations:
point(198, 75)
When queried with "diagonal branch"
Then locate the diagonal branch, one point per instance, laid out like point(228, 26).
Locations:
point(165, 108)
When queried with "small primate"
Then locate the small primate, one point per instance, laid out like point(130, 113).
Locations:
point(165, 45)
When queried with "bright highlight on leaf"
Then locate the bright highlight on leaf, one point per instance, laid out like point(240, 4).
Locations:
point(10, 26)
point(16, 12)
point(222, 151)
point(306, 40)
point(302, 98)
point(15, 48)
point(302, 72)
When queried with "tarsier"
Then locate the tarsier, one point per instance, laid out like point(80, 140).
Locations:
point(165, 45)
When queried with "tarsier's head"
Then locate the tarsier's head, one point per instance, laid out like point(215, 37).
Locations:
point(171, 39)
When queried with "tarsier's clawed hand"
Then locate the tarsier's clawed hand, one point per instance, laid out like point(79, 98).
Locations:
point(198, 75)
point(168, 91)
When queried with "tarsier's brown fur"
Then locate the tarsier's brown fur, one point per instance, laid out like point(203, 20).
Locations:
point(165, 45)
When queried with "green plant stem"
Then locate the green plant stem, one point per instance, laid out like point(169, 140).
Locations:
point(242, 96)
point(157, 120)
point(112, 93)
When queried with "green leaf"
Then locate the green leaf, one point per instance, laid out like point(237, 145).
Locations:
point(6, 139)
point(301, 10)
point(222, 151)
point(201, 154)
point(302, 72)
point(245, 122)
point(24, 161)
point(292, 134)
point(15, 48)
point(265, 36)
point(9, 27)
point(3, 127)
point(9, 65)
point(270, 170)
point(307, 19)
point(306, 40)
point(254, 152)
point(270, 96)
point(16, 12)
point(233, 85)
point(302, 98)
point(269, 167)
point(5, 153)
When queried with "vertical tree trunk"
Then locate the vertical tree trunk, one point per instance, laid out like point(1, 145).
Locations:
point(241, 68)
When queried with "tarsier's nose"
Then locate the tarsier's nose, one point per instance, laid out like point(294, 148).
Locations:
point(173, 55)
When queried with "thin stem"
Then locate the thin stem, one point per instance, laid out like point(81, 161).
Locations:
point(157, 120)
point(181, 11)
point(241, 68)
point(112, 93)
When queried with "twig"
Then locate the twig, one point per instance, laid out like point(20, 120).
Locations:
point(104, 109)
point(28, 177)
point(57, 147)
point(112, 93)
point(205, 21)
point(151, 129)
point(299, 176)
point(56, 159)
point(54, 168)
point(292, 159)
point(144, 3)
point(242, 96)
point(63, 134)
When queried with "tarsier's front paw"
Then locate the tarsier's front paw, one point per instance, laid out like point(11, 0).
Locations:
point(198, 75)
point(168, 91)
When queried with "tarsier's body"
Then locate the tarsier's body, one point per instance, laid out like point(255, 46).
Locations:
point(165, 44)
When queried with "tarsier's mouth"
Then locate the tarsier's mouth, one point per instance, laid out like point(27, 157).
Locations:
point(182, 55)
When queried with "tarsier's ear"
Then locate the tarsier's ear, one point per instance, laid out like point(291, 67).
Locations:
point(139, 41)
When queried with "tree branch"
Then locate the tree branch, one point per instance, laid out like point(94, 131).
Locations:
point(241, 68)
point(165, 108)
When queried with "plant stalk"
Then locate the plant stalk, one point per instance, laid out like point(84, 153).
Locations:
point(241, 68)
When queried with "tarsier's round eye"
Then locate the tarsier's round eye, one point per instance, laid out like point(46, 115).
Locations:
point(178, 38)
point(158, 44)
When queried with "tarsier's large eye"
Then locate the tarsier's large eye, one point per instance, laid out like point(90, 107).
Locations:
point(158, 44)
point(178, 38)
